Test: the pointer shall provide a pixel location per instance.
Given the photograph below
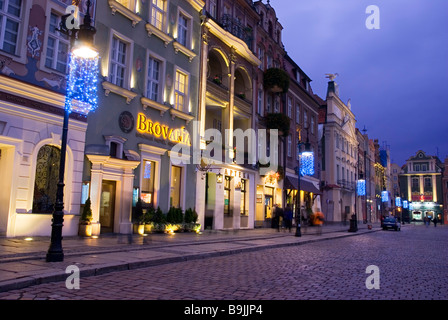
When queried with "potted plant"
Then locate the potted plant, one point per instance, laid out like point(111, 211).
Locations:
point(140, 216)
point(278, 121)
point(217, 79)
point(85, 222)
point(276, 80)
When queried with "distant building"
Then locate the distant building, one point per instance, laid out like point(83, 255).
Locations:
point(421, 186)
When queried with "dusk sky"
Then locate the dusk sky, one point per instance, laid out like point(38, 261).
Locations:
point(395, 76)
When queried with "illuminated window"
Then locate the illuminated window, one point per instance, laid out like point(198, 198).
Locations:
point(180, 91)
point(148, 175)
point(129, 4)
point(158, 14)
point(10, 14)
point(176, 187)
point(57, 46)
point(46, 179)
point(243, 197)
point(227, 191)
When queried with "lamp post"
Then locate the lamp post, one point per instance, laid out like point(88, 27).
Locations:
point(82, 49)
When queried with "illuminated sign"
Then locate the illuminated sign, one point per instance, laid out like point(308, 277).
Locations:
point(162, 131)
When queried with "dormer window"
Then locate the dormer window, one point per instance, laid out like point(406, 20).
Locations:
point(115, 144)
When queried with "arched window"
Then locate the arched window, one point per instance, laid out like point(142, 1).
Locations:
point(46, 179)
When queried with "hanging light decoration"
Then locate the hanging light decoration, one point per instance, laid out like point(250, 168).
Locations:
point(405, 204)
point(82, 84)
point(361, 187)
point(307, 163)
point(384, 196)
point(398, 202)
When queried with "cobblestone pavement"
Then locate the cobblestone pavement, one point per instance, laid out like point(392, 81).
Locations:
point(412, 265)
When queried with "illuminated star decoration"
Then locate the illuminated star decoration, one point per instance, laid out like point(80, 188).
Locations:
point(82, 85)
point(307, 164)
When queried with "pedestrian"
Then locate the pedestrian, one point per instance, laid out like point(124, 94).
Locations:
point(426, 219)
point(435, 221)
point(288, 217)
point(278, 213)
point(319, 221)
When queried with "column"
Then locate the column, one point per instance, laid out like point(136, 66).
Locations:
point(127, 187)
point(203, 83)
point(229, 138)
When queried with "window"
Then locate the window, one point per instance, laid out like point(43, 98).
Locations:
point(182, 30)
point(297, 113)
point(153, 79)
point(180, 91)
point(289, 107)
point(305, 118)
point(428, 184)
point(227, 191)
point(148, 179)
point(312, 125)
point(213, 8)
point(243, 197)
point(260, 102)
point(118, 62)
point(46, 179)
point(289, 145)
point(416, 167)
point(269, 104)
point(158, 14)
point(337, 141)
point(57, 46)
point(10, 18)
point(129, 4)
point(415, 185)
point(176, 186)
point(261, 57)
point(277, 105)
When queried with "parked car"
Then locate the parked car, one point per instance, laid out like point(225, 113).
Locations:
point(391, 223)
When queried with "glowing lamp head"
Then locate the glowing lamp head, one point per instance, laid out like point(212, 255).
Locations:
point(85, 52)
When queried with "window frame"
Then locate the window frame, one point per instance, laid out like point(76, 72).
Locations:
point(161, 81)
point(185, 106)
point(188, 28)
point(59, 38)
point(128, 62)
point(20, 51)
point(154, 7)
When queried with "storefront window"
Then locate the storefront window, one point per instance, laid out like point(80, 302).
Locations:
point(176, 188)
point(148, 173)
point(46, 180)
point(243, 197)
point(227, 196)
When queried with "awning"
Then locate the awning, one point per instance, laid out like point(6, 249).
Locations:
point(292, 183)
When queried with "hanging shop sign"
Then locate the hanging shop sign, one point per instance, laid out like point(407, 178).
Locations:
point(162, 131)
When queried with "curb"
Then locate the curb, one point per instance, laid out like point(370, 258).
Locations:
point(22, 283)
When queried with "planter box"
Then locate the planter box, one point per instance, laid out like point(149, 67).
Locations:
point(85, 230)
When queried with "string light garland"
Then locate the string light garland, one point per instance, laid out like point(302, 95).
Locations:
point(307, 164)
point(384, 196)
point(405, 204)
point(361, 187)
point(398, 201)
point(82, 85)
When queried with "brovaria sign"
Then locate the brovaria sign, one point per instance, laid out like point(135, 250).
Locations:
point(147, 126)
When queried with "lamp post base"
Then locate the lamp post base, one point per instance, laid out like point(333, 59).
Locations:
point(353, 225)
point(298, 231)
point(55, 257)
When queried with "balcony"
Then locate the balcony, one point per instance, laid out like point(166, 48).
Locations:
point(347, 185)
point(236, 27)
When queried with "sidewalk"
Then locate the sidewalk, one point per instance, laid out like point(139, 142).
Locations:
point(22, 262)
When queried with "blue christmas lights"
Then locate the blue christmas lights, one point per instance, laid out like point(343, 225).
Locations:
point(82, 85)
point(361, 187)
point(398, 201)
point(307, 164)
point(384, 196)
point(405, 204)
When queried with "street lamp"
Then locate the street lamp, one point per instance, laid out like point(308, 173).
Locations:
point(81, 87)
point(305, 167)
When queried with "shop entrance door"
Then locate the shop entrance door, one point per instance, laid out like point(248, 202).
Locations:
point(107, 207)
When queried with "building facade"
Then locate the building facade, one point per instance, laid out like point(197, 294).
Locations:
point(148, 99)
point(33, 65)
point(225, 189)
point(421, 186)
point(339, 146)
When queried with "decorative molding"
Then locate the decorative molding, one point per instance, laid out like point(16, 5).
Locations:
point(159, 33)
point(179, 47)
point(155, 105)
point(151, 149)
point(115, 6)
point(110, 87)
point(179, 114)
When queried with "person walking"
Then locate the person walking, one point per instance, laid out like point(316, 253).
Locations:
point(278, 216)
point(288, 217)
point(435, 221)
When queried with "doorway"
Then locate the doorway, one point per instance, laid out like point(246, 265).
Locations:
point(107, 206)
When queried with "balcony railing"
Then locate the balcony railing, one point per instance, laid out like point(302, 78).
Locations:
point(235, 27)
point(347, 185)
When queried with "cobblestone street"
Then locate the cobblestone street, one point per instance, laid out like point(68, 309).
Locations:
point(413, 264)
